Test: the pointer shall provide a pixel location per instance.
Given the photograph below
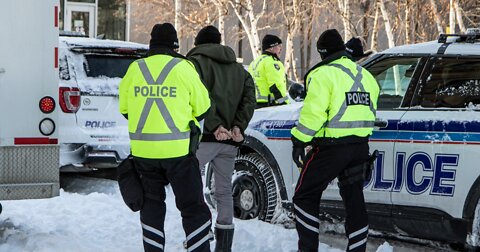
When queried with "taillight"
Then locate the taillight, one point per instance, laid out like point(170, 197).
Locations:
point(47, 104)
point(69, 99)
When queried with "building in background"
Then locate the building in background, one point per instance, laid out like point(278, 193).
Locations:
point(95, 18)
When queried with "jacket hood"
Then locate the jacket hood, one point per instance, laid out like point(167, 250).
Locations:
point(220, 53)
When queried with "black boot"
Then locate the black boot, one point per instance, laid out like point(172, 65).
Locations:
point(224, 237)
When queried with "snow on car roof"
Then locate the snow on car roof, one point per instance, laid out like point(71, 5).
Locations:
point(107, 43)
point(454, 48)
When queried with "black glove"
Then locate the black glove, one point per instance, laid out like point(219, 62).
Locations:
point(298, 152)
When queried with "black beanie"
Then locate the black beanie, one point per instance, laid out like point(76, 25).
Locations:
point(208, 34)
point(270, 41)
point(163, 35)
point(330, 42)
point(355, 47)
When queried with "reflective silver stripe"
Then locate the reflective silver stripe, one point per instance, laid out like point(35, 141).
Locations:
point(258, 94)
point(360, 231)
point(175, 132)
point(316, 230)
point(159, 136)
point(282, 99)
point(357, 244)
point(303, 129)
point(357, 84)
point(200, 242)
point(152, 229)
point(153, 243)
point(198, 230)
point(311, 217)
point(163, 74)
point(351, 124)
point(145, 72)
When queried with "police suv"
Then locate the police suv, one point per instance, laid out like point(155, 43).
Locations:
point(426, 180)
point(93, 134)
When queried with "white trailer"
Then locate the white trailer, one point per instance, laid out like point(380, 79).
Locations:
point(29, 149)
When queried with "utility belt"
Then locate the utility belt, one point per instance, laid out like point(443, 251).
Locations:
point(331, 141)
point(360, 172)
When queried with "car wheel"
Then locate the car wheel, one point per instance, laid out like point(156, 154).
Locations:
point(473, 238)
point(254, 188)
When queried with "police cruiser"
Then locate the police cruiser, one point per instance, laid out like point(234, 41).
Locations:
point(93, 135)
point(426, 180)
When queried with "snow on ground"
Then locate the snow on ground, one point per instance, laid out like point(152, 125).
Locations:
point(89, 215)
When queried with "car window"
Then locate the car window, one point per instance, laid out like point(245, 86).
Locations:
point(63, 68)
point(394, 76)
point(452, 83)
point(107, 65)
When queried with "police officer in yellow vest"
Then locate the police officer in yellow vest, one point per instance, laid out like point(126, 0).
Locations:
point(269, 74)
point(337, 118)
point(163, 99)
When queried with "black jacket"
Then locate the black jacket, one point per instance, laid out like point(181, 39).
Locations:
point(231, 88)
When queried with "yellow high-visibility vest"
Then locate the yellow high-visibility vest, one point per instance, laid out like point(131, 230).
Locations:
point(341, 101)
point(161, 95)
point(268, 71)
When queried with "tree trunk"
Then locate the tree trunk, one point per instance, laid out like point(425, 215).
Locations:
point(388, 27)
point(458, 13)
point(373, 41)
point(221, 23)
point(407, 22)
point(178, 22)
point(436, 16)
point(452, 18)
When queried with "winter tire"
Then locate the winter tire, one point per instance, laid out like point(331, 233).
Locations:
point(254, 188)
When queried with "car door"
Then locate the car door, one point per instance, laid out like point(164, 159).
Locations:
point(438, 145)
point(396, 76)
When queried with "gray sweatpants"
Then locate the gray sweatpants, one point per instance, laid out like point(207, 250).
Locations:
point(222, 161)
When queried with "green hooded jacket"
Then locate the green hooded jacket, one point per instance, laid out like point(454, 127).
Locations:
point(231, 88)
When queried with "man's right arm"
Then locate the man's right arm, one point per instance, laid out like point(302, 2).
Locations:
point(123, 91)
point(247, 104)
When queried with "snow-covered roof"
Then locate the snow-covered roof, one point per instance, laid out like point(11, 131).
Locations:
point(455, 48)
point(105, 43)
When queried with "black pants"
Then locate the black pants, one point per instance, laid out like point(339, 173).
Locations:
point(184, 176)
point(322, 165)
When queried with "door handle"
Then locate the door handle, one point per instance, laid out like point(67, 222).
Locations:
point(381, 123)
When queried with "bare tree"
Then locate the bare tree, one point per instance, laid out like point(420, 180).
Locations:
point(373, 41)
point(451, 17)
point(222, 11)
point(291, 17)
point(249, 19)
point(388, 27)
point(458, 14)
point(436, 16)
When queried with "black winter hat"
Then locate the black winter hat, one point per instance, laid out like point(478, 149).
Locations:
point(355, 47)
point(329, 42)
point(270, 41)
point(208, 34)
point(163, 35)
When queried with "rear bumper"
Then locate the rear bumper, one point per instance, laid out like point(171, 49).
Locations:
point(84, 158)
point(29, 172)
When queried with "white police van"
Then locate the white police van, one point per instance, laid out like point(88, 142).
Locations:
point(28, 99)
point(93, 134)
point(426, 180)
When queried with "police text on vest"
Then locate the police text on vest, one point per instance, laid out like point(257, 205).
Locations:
point(155, 91)
point(357, 98)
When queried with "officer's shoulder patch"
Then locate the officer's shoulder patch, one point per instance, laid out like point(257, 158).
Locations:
point(276, 66)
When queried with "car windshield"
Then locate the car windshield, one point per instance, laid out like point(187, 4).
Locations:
point(111, 66)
